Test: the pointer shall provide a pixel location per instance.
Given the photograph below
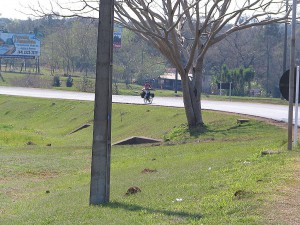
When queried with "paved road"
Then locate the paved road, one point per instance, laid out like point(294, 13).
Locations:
point(276, 112)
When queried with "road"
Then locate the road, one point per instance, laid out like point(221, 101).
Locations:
point(270, 111)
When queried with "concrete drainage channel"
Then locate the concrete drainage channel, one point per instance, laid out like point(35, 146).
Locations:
point(80, 128)
point(137, 140)
point(128, 141)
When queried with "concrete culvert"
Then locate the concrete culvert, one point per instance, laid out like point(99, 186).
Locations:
point(80, 128)
point(137, 140)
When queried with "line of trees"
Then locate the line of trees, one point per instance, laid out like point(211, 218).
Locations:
point(258, 48)
point(242, 79)
point(68, 46)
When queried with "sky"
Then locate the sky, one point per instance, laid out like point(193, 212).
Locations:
point(17, 9)
point(13, 9)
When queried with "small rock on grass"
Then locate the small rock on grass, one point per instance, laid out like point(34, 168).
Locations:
point(269, 152)
point(133, 190)
point(30, 143)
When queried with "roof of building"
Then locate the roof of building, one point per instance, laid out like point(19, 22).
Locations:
point(169, 76)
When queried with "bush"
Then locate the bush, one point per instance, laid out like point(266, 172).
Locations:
point(56, 81)
point(86, 85)
point(69, 82)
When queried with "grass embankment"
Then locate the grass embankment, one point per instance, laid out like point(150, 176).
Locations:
point(212, 176)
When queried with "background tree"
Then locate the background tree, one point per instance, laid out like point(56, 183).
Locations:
point(237, 49)
point(140, 61)
point(85, 38)
point(238, 77)
point(184, 30)
point(272, 35)
point(249, 74)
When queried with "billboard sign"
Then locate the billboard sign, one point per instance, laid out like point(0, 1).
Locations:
point(19, 45)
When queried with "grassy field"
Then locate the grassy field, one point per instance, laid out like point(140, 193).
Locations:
point(215, 175)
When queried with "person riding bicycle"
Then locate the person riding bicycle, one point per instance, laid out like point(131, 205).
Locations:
point(146, 89)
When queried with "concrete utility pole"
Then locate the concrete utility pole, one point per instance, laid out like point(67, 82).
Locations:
point(291, 77)
point(101, 152)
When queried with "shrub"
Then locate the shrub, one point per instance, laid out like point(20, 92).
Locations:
point(86, 85)
point(69, 82)
point(56, 81)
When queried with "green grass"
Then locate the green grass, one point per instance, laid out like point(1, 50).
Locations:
point(267, 100)
point(40, 184)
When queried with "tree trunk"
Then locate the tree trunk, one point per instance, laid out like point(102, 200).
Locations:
point(191, 88)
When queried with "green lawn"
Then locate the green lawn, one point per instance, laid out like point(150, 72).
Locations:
point(215, 175)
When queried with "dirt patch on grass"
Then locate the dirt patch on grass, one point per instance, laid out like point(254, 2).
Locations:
point(39, 175)
point(146, 170)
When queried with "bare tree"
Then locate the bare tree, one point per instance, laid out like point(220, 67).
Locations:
point(184, 30)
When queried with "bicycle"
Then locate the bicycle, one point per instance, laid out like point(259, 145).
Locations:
point(148, 98)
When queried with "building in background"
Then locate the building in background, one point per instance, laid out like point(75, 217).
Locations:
point(168, 81)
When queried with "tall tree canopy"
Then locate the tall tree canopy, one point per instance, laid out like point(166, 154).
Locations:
point(184, 30)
